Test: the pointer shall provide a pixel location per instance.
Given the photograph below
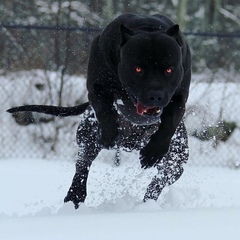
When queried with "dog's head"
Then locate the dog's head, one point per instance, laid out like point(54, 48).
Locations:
point(150, 68)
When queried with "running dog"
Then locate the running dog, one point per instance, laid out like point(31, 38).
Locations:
point(138, 81)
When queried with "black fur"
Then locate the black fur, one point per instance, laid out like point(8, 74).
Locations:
point(138, 83)
point(154, 44)
point(132, 137)
point(52, 110)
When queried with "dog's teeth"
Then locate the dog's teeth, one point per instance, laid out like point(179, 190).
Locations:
point(158, 111)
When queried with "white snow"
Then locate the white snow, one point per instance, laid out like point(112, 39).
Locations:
point(203, 204)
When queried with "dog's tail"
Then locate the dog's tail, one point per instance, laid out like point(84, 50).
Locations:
point(52, 110)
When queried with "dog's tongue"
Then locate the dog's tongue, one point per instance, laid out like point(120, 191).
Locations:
point(140, 108)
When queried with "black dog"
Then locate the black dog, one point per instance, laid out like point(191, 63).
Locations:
point(138, 83)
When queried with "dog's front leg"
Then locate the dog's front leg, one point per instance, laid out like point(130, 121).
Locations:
point(159, 142)
point(100, 82)
point(102, 102)
point(78, 190)
point(88, 151)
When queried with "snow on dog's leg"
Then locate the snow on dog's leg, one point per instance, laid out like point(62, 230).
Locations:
point(88, 151)
point(155, 188)
point(170, 168)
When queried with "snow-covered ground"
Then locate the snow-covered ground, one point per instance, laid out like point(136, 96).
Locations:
point(203, 204)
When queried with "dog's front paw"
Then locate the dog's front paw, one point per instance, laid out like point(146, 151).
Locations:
point(108, 138)
point(151, 154)
point(75, 198)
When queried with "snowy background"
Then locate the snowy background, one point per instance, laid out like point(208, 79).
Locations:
point(203, 204)
point(213, 97)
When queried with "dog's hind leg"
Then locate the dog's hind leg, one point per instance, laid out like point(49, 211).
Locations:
point(88, 151)
point(170, 168)
point(165, 177)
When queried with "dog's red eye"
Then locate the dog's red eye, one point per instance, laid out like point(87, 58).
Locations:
point(169, 70)
point(138, 70)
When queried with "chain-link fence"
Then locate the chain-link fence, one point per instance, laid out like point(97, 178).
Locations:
point(212, 117)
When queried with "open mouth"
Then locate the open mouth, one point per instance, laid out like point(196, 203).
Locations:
point(147, 110)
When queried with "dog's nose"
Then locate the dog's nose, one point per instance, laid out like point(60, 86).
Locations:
point(156, 97)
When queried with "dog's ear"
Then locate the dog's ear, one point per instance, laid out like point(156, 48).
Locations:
point(174, 32)
point(126, 34)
